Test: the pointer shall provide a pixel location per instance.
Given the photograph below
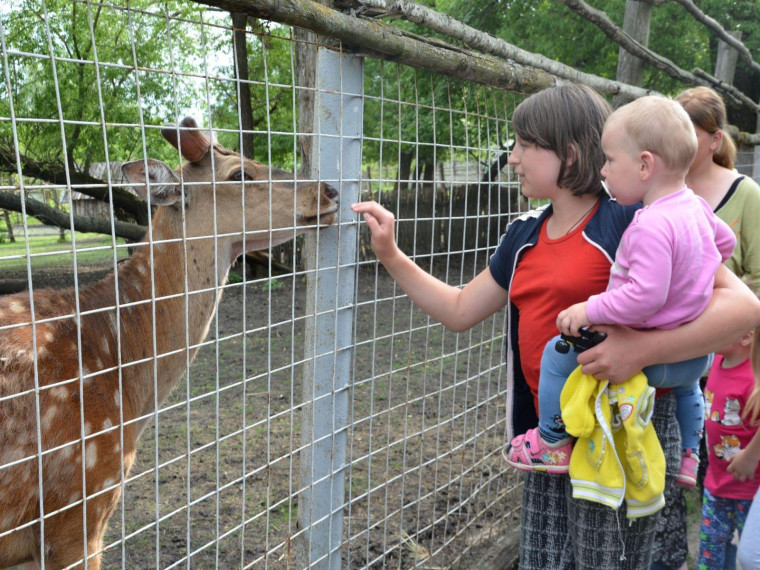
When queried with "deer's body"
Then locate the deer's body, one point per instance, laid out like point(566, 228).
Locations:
point(92, 412)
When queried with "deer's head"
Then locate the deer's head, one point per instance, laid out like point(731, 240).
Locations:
point(257, 206)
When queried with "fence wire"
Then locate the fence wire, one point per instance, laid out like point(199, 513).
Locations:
point(216, 480)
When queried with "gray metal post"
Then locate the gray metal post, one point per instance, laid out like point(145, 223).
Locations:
point(330, 297)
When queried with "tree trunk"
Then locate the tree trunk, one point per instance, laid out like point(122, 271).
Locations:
point(306, 63)
point(493, 172)
point(630, 68)
point(725, 64)
point(57, 203)
point(240, 49)
point(9, 225)
point(404, 172)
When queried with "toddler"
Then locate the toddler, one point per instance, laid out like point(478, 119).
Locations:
point(733, 447)
point(662, 275)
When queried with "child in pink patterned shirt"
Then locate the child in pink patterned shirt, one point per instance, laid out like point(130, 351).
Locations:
point(662, 275)
point(733, 446)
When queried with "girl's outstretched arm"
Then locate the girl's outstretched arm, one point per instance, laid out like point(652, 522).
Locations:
point(457, 309)
point(733, 310)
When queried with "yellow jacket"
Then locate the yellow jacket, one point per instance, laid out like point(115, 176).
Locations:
point(617, 455)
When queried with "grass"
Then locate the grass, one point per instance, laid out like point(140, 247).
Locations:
point(50, 251)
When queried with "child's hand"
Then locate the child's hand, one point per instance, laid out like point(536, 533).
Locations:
point(572, 319)
point(381, 225)
point(743, 466)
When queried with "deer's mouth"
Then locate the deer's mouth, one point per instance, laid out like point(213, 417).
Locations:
point(324, 218)
point(328, 210)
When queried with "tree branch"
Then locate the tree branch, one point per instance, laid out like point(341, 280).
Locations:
point(51, 216)
point(126, 205)
point(741, 137)
point(486, 43)
point(719, 31)
point(390, 43)
point(612, 31)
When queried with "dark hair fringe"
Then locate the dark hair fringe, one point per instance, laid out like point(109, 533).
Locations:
point(568, 120)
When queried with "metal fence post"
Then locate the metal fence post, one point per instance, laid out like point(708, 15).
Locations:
point(330, 297)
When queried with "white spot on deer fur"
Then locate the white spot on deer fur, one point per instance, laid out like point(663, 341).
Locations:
point(59, 392)
point(7, 522)
point(117, 448)
point(41, 351)
point(91, 455)
point(108, 483)
point(104, 345)
point(49, 336)
point(87, 428)
point(117, 398)
point(112, 321)
point(17, 308)
point(11, 455)
point(107, 424)
point(49, 418)
point(67, 451)
point(74, 497)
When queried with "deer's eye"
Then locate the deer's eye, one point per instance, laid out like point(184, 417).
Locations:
point(240, 175)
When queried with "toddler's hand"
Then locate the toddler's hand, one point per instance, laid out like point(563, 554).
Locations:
point(743, 466)
point(572, 319)
point(381, 225)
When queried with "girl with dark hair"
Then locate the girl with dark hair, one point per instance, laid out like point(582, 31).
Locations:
point(548, 259)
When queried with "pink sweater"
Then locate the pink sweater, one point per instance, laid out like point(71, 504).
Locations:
point(665, 265)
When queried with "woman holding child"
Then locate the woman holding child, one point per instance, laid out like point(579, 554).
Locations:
point(736, 200)
point(547, 260)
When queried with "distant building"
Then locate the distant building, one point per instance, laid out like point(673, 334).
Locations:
point(83, 205)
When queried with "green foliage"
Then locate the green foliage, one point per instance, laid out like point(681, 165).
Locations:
point(429, 118)
point(150, 64)
point(74, 67)
point(272, 96)
point(272, 284)
point(551, 29)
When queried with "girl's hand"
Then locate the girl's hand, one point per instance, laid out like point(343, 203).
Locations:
point(572, 319)
point(743, 466)
point(617, 358)
point(381, 225)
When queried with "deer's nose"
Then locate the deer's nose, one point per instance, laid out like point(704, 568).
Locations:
point(330, 192)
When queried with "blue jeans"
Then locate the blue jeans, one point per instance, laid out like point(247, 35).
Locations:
point(682, 377)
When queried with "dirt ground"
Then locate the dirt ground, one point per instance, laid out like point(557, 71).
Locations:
point(215, 483)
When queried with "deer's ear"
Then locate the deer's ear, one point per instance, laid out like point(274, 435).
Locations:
point(160, 179)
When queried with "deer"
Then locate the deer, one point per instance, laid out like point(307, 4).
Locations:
point(77, 368)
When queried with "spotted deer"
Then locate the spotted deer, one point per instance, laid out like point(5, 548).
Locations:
point(95, 372)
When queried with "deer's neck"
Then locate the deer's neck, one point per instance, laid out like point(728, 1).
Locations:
point(168, 294)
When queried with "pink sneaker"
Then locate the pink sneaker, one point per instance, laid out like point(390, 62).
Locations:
point(531, 453)
point(687, 475)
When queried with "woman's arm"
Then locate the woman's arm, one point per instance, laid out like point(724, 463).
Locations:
point(733, 310)
point(457, 309)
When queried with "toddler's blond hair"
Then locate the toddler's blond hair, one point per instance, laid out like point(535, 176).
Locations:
point(661, 126)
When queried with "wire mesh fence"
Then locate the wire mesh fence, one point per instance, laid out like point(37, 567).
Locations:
point(230, 464)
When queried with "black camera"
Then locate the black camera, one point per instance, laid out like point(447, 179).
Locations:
point(586, 340)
